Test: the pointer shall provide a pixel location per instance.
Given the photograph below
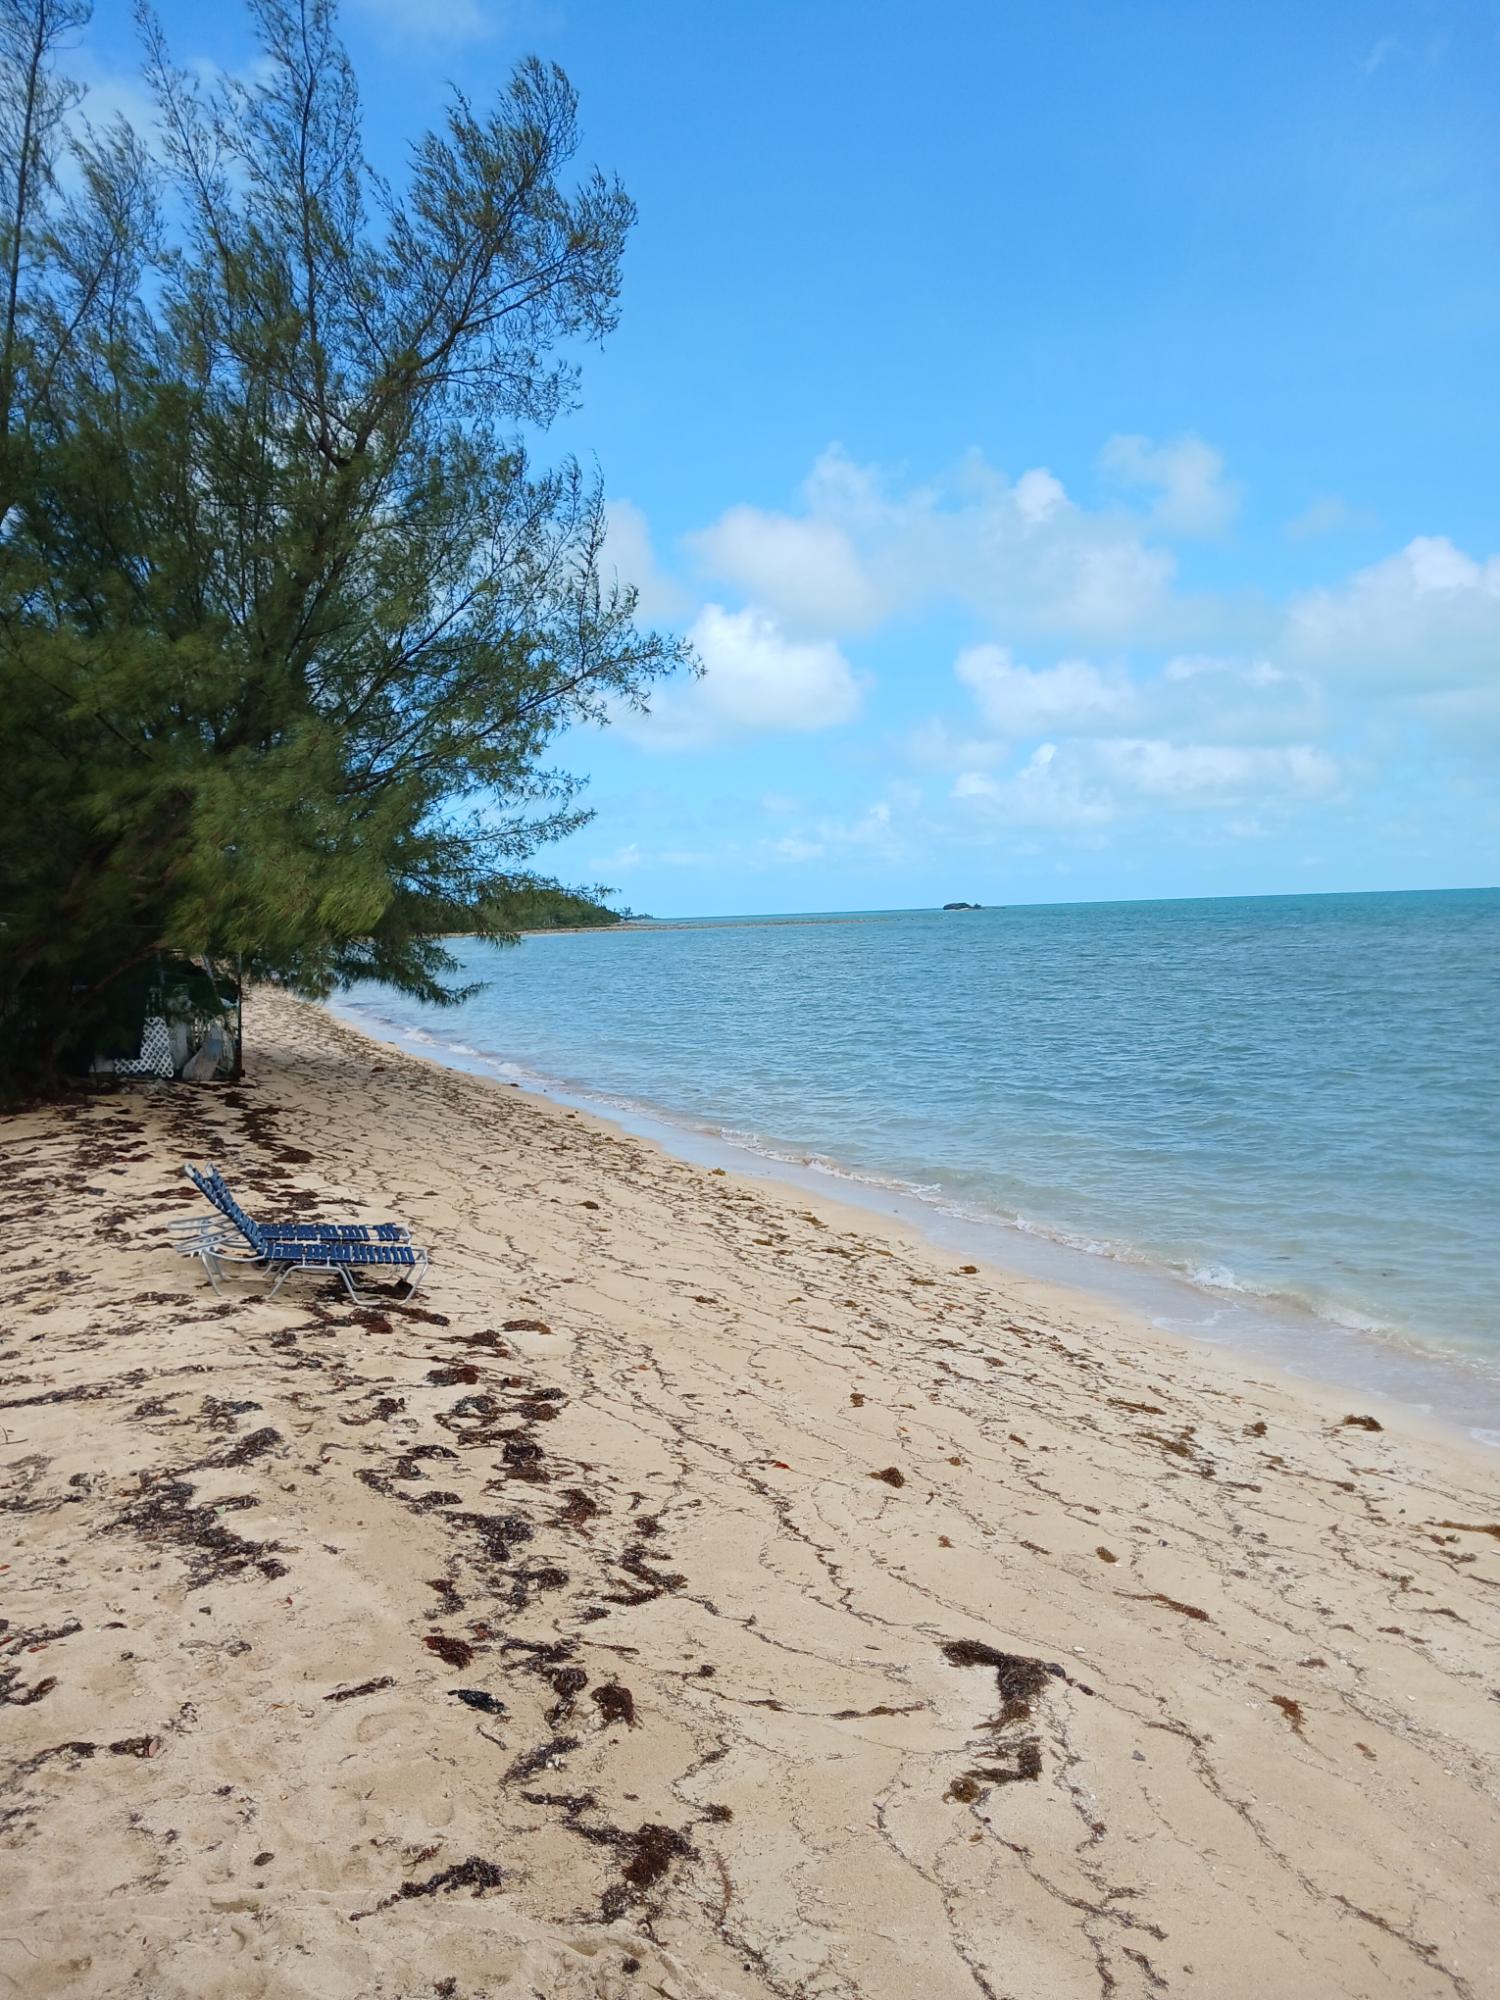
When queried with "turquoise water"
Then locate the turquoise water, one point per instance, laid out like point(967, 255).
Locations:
point(1285, 1102)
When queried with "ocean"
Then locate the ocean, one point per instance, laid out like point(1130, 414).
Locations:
point(1270, 1122)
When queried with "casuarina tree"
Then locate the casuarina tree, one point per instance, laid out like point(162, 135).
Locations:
point(288, 617)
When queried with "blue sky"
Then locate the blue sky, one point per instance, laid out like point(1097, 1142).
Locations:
point(1069, 432)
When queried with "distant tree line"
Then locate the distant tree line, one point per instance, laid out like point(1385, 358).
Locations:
point(288, 619)
point(547, 906)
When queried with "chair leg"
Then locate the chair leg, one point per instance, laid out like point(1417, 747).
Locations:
point(343, 1271)
point(210, 1264)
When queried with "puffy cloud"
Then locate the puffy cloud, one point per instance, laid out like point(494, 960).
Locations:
point(757, 678)
point(1424, 619)
point(1046, 791)
point(807, 568)
point(1080, 786)
point(1193, 697)
point(1073, 696)
point(1039, 496)
point(108, 94)
point(756, 681)
point(878, 831)
point(1217, 774)
point(1016, 552)
point(1203, 696)
point(1187, 476)
point(627, 558)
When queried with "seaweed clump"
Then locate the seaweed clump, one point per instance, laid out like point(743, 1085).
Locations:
point(1026, 1764)
point(364, 1688)
point(616, 1703)
point(1019, 1679)
point(164, 1514)
point(649, 1850)
point(476, 1875)
point(453, 1652)
point(652, 1849)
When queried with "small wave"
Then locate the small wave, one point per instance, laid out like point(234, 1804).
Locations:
point(820, 1163)
point(1215, 1277)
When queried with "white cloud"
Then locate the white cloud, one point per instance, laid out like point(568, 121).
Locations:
point(110, 93)
point(621, 861)
point(1023, 701)
point(1186, 474)
point(1205, 697)
point(807, 568)
point(1018, 553)
point(1083, 786)
point(756, 681)
point(445, 21)
point(1046, 791)
point(627, 558)
point(1425, 619)
point(879, 831)
point(1039, 496)
point(1217, 774)
point(1193, 697)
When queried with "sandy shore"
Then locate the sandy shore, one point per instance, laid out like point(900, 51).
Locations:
point(694, 1594)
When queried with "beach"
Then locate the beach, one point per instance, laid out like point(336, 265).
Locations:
point(696, 1591)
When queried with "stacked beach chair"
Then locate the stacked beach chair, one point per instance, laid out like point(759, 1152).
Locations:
point(232, 1243)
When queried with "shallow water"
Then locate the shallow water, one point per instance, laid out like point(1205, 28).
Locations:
point(1274, 1121)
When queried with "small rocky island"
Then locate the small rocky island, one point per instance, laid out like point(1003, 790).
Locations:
point(963, 906)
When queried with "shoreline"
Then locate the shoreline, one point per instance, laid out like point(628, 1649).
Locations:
point(1442, 1390)
point(696, 1591)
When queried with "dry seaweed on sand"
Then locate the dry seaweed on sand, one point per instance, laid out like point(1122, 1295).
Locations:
point(164, 1515)
point(476, 1875)
point(1019, 1679)
point(364, 1688)
point(616, 1703)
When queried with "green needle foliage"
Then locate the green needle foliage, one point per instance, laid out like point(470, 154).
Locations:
point(287, 618)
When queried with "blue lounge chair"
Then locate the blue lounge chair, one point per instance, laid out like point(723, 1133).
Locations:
point(321, 1256)
point(322, 1259)
point(214, 1188)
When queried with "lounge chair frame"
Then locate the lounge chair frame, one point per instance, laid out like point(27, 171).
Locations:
point(217, 1254)
point(318, 1249)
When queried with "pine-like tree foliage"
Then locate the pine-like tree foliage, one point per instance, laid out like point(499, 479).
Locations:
point(287, 619)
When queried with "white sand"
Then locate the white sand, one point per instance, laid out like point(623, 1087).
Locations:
point(634, 1458)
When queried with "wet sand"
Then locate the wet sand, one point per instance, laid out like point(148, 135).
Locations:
point(694, 1593)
